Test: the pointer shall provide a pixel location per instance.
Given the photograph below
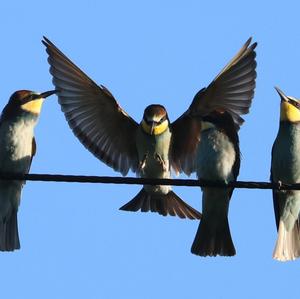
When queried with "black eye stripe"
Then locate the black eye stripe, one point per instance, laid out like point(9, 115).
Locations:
point(295, 104)
point(150, 122)
point(162, 119)
point(30, 98)
point(27, 99)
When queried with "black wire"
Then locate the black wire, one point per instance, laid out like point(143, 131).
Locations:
point(145, 181)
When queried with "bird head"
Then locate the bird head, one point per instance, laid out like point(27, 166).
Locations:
point(28, 101)
point(289, 107)
point(155, 120)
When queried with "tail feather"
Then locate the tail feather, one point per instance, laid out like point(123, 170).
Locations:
point(176, 208)
point(287, 247)
point(145, 204)
point(164, 204)
point(9, 235)
point(213, 239)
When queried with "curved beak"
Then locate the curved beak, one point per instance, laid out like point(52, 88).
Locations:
point(281, 94)
point(48, 93)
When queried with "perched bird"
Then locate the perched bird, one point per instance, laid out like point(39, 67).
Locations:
point(285, 168)
point(150, 148)
point(107, 131)
point(218, 160)
point(17, 148)
point(218, 153)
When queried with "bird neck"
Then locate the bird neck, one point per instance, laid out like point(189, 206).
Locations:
point(27, 118)
point(16, 114)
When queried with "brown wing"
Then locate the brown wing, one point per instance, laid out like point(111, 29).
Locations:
point(233, 89)
point(93, 114)
point(33, 151)
point(275, 194)
point(185, 138)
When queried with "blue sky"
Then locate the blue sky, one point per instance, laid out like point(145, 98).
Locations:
point(75, 243)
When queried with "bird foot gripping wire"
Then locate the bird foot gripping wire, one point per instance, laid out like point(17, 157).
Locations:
point(279, 185)
point(142, 163)
point(161, 161)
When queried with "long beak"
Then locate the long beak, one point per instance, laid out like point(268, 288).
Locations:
point(47, 93)
point(281, 94)
point(152, 128)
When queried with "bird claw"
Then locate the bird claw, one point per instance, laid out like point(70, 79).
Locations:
point(161, 161)
point(142, 163)
point(279, 185)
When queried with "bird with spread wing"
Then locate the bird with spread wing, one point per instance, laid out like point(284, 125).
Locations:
point(155, 145)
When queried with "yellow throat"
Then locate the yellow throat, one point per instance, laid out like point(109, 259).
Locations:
point(157, 129)
point(34, 106)
point(289, 112)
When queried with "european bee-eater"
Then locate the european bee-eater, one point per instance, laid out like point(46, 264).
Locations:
point(17, 148)
point(218, 156)
point(115, 138)
point(218, 160)
point(285, 168)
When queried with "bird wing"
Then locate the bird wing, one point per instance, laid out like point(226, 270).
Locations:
point(33, 152)
point(93, 114)
point(186, 132)
point(232, 91)
point(275, 196)
point(233, 88)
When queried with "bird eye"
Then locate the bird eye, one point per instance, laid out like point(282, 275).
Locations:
point(296, 104)
point(149, 122)
point(162, 120)
point(27, 99)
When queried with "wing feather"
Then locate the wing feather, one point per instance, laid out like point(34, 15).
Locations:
point(93, 114)
point(232, 90)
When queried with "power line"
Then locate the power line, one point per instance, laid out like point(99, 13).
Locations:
point(146, 181)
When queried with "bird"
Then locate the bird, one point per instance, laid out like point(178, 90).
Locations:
point(218, 159)
point(116, 139)
point(17, 148)
point(218, 152)
point(285, 168)
point(150, 148)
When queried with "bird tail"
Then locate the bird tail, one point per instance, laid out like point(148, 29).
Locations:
point(287, 246)
point(9, 235)
point(164, 204)
point(213, 236)
point(213, 240)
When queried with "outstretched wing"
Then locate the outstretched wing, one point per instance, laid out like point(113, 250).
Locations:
point(186, 132)
point(233, 89)
point(93, 114)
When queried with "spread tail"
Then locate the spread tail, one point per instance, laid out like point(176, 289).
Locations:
point(164, 204)
point(213, 238)
point(287, 247)
point(9, 236)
